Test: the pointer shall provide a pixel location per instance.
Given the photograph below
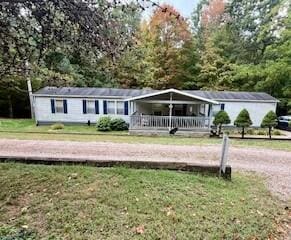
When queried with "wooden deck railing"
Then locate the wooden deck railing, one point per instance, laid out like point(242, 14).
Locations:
point(163, 122)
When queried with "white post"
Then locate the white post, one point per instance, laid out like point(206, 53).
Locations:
point(210, 115)
point(170, 111)
point(224, 154)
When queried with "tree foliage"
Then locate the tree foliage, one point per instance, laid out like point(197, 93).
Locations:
point(270, 120)
point(243, 120)
point(221, 118)
point(240, 45)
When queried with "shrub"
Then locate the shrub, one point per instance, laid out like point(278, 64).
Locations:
point(250, 131)
point(103, 124)
point(118, 124)
point(221, 118)
point(261, 132)
point(243, 120)
point(277, 133)
point(57, 126)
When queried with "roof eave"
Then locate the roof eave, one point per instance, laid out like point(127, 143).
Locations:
point(174, 91)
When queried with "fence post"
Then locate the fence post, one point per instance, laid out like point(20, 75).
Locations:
point(223, 171)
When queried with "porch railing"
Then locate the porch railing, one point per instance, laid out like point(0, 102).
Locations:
point(163, 122)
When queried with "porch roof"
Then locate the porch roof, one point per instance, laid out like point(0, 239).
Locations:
point(175, 91)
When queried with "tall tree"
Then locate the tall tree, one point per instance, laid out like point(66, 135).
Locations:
point(164, 56)
point(172, 40)
point(31, 31)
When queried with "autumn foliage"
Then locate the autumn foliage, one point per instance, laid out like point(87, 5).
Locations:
point(213, 13)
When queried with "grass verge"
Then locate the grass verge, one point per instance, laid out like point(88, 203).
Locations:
point(78, 202)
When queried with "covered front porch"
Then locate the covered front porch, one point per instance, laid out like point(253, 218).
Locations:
point(170, 111)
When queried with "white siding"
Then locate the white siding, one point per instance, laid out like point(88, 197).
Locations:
point(75, 111)
point(257, 110)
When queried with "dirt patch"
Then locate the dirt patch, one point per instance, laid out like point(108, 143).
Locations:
point(275, 164)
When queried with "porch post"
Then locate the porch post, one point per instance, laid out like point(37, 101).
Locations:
point(170, 111)
point(210, 115)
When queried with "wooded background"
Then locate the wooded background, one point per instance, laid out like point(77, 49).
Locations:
point(242, 45)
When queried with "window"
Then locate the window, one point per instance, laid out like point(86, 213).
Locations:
point(59, 106)
point(202, 109)
point(120, 108)
point(91, 107)
point(110, 107)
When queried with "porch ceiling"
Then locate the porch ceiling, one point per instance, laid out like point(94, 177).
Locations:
point(177, 95)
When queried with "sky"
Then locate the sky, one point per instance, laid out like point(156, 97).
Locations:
point(186, 7)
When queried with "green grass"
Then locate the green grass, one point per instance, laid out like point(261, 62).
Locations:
point(15, 129)
point(28, 125)
point(78, 202)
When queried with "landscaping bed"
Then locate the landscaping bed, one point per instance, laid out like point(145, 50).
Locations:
point(74, 202)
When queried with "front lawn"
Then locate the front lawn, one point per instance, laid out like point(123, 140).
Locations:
point(29, 126)
point(78, 202)
point(26, 129)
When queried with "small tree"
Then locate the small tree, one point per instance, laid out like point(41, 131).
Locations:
point(243, 120)
point(221, 118)
point(270, 121)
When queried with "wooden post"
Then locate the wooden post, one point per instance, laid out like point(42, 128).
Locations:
point(29, 88)
point(224, 155)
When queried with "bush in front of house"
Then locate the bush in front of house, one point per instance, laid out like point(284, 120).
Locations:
point(221, 118)
point(261, 132)
point(57, 126)
point(250, 131)
point(270, 121)
point(118, 124)
point(277, 133)
point(243, 120)
point(104, 124)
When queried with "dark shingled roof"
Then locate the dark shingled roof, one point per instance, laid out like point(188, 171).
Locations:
point(127, 93)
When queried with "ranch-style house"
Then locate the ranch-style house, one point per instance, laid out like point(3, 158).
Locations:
point(147, 110)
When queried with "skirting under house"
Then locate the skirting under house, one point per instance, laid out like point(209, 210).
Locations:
point(149, 111)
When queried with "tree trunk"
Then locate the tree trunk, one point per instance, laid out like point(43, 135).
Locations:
point(10, 107)
point(270, 132)
point(219, 129)
point(243, 133)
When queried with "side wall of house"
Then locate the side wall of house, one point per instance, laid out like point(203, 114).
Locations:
point(257, 110)
point(43, 111)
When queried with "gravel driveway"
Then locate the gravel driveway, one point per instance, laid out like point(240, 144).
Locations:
point(275, 164)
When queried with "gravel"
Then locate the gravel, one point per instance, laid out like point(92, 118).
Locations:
point(274, 164)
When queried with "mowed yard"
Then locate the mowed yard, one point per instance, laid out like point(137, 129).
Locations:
point(78, 202)
point(26, 129)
